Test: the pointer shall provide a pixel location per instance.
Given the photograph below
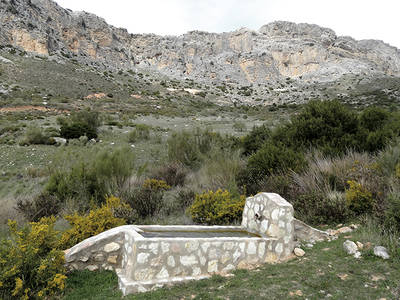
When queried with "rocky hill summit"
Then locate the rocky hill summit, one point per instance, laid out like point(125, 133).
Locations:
point(278, 52)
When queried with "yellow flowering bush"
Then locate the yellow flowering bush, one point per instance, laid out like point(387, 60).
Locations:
point(31, 266)
point(96, 221)
point(358, 198)
point(218, 207)
point(397, 171)
point(155, 184)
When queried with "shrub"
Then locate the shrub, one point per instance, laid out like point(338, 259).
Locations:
point(182, 148)
point(326, 125)
point(173, 174)
point(190, 148)
point(255, 139)
point(43, 205)
point(358, 198)
point(239, 126)
point(35, 136)
point(373, 118)
point(106, 174)
point(141, 132)
point(82, 123)
point(113, 168)
point(30, 264)
point(318, 208)
point(186, 197)
point(220, 170)
point(392, 212)
point(270, 159)
point(389, 159)
point(78, 183)
point(96, 221)
point(147, 200)
point(76, 130)
point(215, 208)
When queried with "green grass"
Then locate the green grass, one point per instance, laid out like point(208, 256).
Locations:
point(316, 275)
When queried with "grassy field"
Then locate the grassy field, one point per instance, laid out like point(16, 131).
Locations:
point(325, 272)
point(25, 169)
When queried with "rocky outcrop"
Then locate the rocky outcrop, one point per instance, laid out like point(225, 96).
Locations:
point(307, 53)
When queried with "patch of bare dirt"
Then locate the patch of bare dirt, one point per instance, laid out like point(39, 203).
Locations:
point(28, 108)
point(96, 96)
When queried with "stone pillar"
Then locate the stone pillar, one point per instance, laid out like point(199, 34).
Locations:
point(269, 215)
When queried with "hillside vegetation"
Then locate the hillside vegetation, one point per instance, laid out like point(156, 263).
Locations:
point(83, 150)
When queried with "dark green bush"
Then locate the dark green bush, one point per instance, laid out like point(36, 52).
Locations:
point(326, 125)
point(272, 158)
point(255, 139)
point(373, 118)
point(330, 127)
point(267, 161)
point(82, 123)
point(377, 128)
point(76, 130)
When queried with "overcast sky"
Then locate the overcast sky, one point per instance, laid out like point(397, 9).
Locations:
point(361, 19)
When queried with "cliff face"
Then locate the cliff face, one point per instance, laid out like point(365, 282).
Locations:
point(308, 53)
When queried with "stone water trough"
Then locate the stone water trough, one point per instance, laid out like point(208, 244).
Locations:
point(148, 257)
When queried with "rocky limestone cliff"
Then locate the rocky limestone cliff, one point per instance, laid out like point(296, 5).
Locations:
point(280, 50)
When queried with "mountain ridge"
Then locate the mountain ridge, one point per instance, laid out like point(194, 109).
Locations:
point(281, 51)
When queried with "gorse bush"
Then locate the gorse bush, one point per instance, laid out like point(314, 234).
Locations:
point(31, 266)
point(96, 221)
point(216, 208)
point(358, 198)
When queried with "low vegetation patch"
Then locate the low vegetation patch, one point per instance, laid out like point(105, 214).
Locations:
point(31, 262)
point(216, 208)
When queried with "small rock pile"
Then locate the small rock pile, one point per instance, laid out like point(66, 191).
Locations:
point(354, 248)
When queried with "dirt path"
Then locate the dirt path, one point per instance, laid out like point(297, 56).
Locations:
point(29, 108)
